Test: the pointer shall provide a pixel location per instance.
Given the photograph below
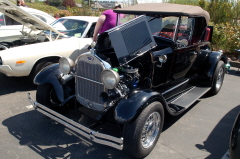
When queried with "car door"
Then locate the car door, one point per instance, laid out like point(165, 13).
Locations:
point(184, 56)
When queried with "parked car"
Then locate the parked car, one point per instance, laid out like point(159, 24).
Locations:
point(234, 146)
point(68, 37)
point(12, 27)
point(157, 61)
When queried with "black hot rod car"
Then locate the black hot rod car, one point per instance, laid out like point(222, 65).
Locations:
point(158, 60)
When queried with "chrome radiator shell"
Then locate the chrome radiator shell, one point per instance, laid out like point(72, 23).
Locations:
point(88, 88)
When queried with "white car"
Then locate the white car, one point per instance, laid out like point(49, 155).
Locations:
point(11, 27)
point(68, 37)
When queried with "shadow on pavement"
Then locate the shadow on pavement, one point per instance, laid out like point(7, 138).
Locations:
point(13, 84)
point(234, 72)
point(218, 140)
point(170, 120)
point(51, 139)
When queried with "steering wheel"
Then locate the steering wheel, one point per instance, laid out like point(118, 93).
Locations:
point(165, 35)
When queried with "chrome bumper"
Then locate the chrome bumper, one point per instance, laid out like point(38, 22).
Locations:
point(88, 133)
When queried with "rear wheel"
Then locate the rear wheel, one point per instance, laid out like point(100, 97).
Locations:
point(218, 78)
point(141, 136)
point(46, 95)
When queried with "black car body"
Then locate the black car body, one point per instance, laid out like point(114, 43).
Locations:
point(157, 61)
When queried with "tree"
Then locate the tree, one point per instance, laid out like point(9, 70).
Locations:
point(69, 3)
point(221, 11)
point(55, 3)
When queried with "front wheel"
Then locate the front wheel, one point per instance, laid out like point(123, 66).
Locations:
point(39, 66)
point(141, 136)
point(218, 78)
point(46, 95)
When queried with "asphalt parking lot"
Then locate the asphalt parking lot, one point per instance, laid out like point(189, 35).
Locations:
point(200, 133)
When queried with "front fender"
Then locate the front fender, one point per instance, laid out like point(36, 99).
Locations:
point(51, 75)
point(128, 109)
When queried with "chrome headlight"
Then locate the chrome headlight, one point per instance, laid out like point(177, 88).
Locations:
point(65, 65)
point(110, 78)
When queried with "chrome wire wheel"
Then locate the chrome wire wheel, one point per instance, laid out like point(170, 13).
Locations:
point(219, 78)
point(141, 135)
point(150, 130)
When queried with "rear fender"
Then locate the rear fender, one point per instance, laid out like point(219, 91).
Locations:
point(211, 63)
point(129, 109)
point(52, 75)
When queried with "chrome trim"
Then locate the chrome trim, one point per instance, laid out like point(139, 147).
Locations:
point(70, 63)
point(83, 99)
point(89, 80)
point(175, 87)
point(116, 77)
point(105, 64)
point(94, 136)
point(182, 94)
point(162, 58)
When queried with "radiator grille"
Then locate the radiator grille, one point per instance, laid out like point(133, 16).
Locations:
point(88, 82)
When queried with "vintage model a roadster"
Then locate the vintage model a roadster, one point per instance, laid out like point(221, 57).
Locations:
point(158, 60)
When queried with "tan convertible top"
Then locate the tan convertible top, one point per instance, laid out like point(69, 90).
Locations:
point(165, 9)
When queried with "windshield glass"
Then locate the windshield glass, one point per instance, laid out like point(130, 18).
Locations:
point(156, 24)
point(70, 27)
point(166, 27)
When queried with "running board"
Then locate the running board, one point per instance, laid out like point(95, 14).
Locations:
point(188, 98)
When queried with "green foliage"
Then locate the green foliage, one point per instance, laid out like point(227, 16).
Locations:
point(43, 7)
point(62, 13)
point(226, 37)
point(221, 11)
point(69, 3)
point(186, 2)
point(55, 3)
point(79, 1)
point(236, 13)
point(85, 11)
point(203, 4)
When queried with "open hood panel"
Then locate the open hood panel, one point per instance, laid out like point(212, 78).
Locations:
point(24, 17)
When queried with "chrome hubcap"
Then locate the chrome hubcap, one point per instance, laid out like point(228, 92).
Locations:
point(219, 78)
point(150, 129)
